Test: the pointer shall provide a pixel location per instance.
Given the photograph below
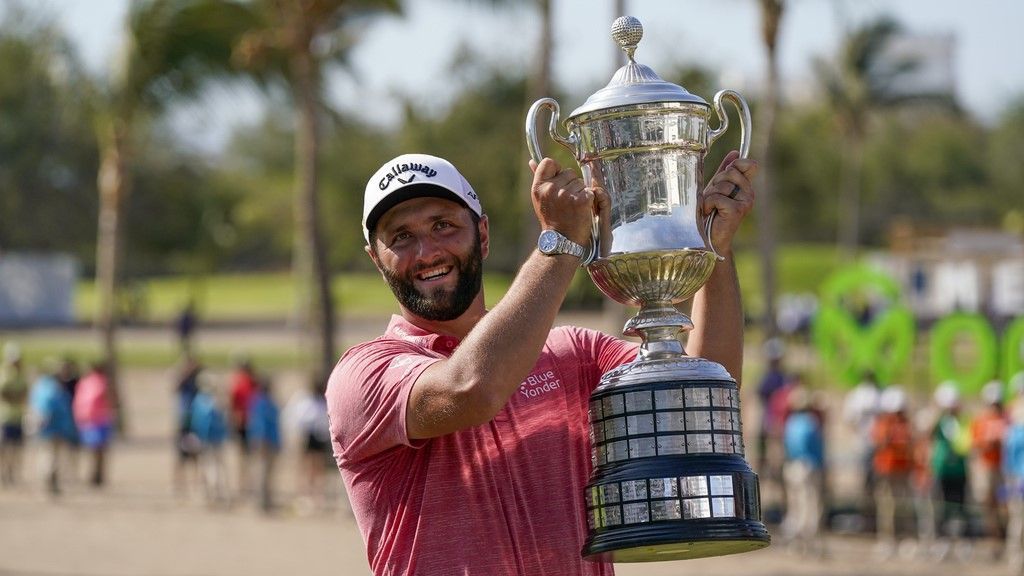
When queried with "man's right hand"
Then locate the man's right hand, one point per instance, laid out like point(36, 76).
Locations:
point(561, 201)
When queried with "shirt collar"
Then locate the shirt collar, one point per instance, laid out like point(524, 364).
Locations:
point(401, 329)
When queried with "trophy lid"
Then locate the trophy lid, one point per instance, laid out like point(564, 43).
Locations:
point(634, 83)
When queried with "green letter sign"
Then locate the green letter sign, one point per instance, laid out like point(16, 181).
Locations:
point(944, 336)
point(1013, 349)
point(882, 346)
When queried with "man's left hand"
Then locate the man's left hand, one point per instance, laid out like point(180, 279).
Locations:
point(730, 191)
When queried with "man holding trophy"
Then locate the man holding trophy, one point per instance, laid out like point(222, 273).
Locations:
point(466, 437)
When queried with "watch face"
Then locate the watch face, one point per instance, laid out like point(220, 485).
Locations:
point(548, 241)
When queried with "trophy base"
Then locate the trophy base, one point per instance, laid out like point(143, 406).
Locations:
point(657, 544)
point(669, 481)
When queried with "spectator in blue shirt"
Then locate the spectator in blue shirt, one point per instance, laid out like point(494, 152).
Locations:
point(50, 404)
point(208, 424)
point(803, 472)
point(1013, 472)
point(264, 434)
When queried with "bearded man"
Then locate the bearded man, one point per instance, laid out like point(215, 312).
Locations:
point(461, 433)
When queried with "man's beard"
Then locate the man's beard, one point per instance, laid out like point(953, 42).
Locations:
point(440, 304)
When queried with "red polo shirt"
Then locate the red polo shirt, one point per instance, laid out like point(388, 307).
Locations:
point(505, 497)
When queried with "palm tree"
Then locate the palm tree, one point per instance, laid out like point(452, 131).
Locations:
point(294, 41)
point(771, 19)
point(171, 49)
point(859, 83)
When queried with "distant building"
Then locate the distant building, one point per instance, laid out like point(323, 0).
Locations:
point(921, 66)
point(37, 289)
point(969, 270)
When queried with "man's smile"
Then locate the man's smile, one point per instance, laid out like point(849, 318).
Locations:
point(434, 273)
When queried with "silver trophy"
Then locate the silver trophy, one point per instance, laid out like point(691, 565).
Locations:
point(670, 480)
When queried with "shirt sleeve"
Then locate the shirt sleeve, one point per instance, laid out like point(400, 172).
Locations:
point(600, 352)
point(611, 352)
point(367, 396)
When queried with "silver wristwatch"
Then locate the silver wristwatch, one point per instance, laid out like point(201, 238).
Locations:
point(552, 242)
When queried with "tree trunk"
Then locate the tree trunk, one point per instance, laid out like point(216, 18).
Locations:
point(310, 257)
point(849, 198)
point(113, 181)
point(764, 135)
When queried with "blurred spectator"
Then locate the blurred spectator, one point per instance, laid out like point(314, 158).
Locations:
point(54, 423)
point(94, 414)
point(1013, 467)
point(13, 401)
point(186, 445)
point(306, 414)
point(987, 432)
point(243, 388)
point(68, 378)
point(803, 470)
point(210, 428)
point(949, 467)
point(264, 434)
point(893, 460)
point(859, 410)
point(185, 325)
point(776, 414)
point(772, 381)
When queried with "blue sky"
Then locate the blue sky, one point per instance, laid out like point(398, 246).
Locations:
point(412, 54)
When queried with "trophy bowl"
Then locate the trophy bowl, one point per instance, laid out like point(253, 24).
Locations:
point(669, 477)
point(670, 276)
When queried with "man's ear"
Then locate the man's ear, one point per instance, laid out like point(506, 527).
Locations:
point(485, 235)
point(373, 256)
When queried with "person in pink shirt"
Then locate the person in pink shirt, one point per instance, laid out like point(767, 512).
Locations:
point(461, 433)
point(94, 415)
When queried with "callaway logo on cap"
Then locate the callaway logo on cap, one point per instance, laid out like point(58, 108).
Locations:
point(414, 176)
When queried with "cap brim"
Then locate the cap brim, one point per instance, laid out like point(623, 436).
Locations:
point(407, 193)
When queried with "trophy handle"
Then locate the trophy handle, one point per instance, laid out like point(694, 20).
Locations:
point(723, 125)
point(532, 143)
point(570, 143)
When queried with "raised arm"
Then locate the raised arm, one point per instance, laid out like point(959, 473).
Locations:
point(498, 352)
point(717, 307)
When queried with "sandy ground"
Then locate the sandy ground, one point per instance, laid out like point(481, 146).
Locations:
point(137, 525)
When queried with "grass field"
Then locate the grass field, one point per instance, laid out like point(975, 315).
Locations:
point(240, 300)
point(272, 296)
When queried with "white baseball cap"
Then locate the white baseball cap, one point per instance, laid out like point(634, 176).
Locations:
point(992, 393)
point(893, 400)
point(413, 176)
point(947, 396)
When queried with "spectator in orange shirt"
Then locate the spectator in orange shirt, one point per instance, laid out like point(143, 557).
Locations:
point(892, 464)
point(987, 433)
